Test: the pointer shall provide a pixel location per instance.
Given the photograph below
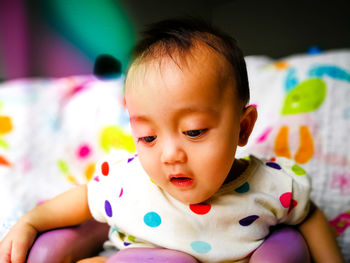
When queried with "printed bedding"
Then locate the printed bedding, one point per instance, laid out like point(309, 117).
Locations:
point(52, 131)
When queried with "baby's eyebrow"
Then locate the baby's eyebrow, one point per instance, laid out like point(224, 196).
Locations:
point(189, 110)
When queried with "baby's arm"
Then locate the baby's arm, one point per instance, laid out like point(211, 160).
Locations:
point(319, 237)
point(67, 209)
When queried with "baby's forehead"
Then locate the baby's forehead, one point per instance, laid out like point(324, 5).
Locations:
point(198, 60)
point(197, 75)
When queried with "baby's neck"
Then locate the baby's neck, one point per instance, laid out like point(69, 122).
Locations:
point(238, 167)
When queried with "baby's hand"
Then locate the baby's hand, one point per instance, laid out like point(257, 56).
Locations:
point(15, 245)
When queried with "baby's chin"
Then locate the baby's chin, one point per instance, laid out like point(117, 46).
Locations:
point(190, 200)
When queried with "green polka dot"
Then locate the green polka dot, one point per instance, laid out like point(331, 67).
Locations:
point(243, 188)
point(131, 238)
point(298, 170)
point(305, 97)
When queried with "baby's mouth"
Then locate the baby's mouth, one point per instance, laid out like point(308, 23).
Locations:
point(181, 180)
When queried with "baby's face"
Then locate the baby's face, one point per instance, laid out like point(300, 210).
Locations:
point(185, 123)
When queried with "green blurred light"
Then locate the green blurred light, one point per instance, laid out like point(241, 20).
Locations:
point(96, 26)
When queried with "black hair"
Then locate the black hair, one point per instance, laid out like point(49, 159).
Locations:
point(178, 35)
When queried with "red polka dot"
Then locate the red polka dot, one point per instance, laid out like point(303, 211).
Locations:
point(272, 159)
point(286, 199)
point(105, 168)
point(200, 209)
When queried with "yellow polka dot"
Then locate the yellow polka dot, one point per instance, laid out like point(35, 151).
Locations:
point(281, 147)
point(71, 178)
point(89, 171)
point(5, 124)
point(281, 65)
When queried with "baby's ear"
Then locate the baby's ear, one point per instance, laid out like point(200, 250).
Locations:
point(247, 124)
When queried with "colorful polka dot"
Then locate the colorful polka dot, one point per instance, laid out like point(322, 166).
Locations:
point(4, 161)
point(152, 219)
point(274, 165)
point(286, 199)
point(6, 124)
point(89, 171)
point(63, 166)
point(96, 178)
point(84, 151)
point(201, 247)
point(130, 159)
point(105, 168)
point(127, 244)
point(248, 220)
point(263, 137)
point(121, 192)
point(200, 209)
point(243, 188)
point(131, 238)
point(108, 208)
point(298, 170)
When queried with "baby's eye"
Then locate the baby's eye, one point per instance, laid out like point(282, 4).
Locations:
point(147, 139)
point(195, 133)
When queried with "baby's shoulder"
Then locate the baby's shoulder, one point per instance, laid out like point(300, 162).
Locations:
point(278, 170)
point(276, 165)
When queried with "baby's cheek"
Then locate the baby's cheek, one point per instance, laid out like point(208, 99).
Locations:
point(148, 163)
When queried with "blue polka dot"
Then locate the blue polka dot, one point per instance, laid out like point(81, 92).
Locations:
point(291, 80)
point(243, 188)
point(152, 219)
point(201, 247)
point(108, 208)
point(248, 220)
point(335, 72)
point(274, 165)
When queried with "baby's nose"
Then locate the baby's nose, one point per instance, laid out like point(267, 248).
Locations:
point(172, 152)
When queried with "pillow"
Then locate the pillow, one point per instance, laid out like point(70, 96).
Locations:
point(304, 114)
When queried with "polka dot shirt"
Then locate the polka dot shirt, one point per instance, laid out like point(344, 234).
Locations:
point(226, 228)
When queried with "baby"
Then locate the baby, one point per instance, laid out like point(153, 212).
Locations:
point(186, 93)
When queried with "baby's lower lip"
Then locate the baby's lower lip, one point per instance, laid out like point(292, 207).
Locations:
point(181, 181)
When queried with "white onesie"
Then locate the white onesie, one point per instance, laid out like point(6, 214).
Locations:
point(226, 228)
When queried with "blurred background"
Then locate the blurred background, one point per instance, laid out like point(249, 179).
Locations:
point(56, 38)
